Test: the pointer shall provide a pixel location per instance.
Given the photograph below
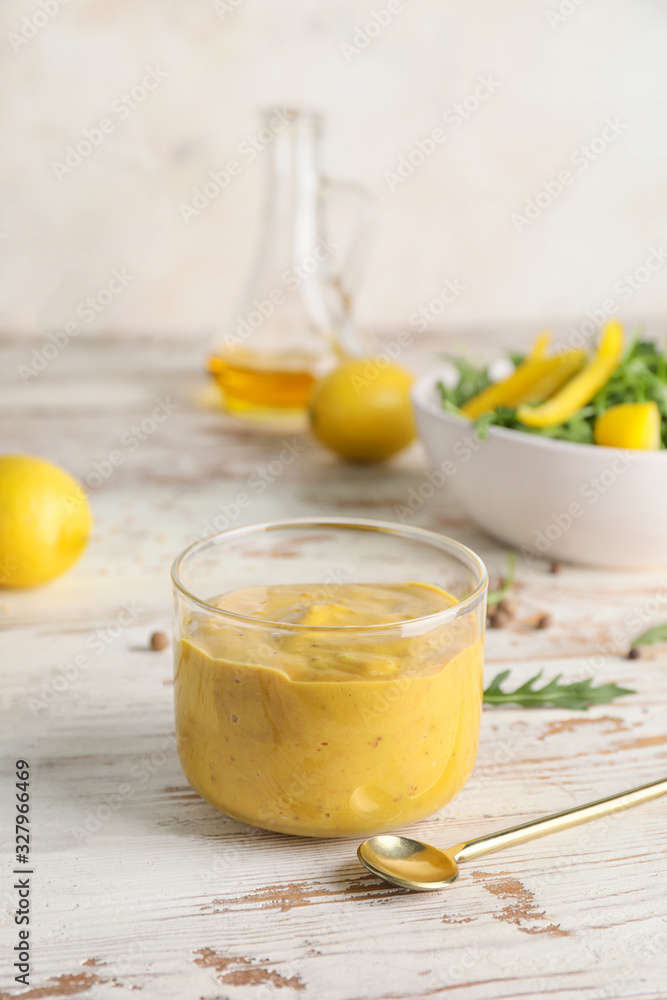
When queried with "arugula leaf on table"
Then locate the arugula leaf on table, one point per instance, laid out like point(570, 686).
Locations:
point(657, 634)
point(495, 596)
point(577, 695)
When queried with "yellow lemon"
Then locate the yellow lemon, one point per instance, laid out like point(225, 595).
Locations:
point(45, 521)
point(629, 425)
point(362, 410)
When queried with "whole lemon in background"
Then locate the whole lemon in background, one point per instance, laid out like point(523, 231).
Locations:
point(362, 410)
point(45, 521)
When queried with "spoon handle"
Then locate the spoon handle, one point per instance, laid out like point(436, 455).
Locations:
point(559, 821)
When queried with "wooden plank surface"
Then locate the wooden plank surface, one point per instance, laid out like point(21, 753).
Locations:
point(139, 885)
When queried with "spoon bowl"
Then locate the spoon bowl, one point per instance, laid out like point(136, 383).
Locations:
point(408, 863)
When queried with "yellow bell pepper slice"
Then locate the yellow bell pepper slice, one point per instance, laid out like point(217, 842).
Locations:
point(580, 389)
point(629, 425)
point(556, 372)
point(540, 345)
point(534, 379)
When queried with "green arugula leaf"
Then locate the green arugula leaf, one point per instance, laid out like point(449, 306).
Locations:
point(472, 379)
point(495, 596)
point(657, 634)
point(577, 695)
point(450, 407)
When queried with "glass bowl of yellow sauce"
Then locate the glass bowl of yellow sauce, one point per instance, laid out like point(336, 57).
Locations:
point(328, 673)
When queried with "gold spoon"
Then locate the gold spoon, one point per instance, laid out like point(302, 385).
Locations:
point(414, 865)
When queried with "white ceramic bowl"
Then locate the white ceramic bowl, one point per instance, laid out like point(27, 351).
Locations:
point(575, 502)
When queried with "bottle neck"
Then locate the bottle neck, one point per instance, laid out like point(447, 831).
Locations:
point(292, 202)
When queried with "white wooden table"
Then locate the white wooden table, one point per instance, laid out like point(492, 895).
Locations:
point(139, 885)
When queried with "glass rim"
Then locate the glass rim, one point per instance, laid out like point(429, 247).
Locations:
point(433, 538)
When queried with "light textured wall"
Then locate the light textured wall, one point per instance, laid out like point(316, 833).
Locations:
point(556, 78)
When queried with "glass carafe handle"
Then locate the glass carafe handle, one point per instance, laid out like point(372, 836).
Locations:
point(349, 264)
